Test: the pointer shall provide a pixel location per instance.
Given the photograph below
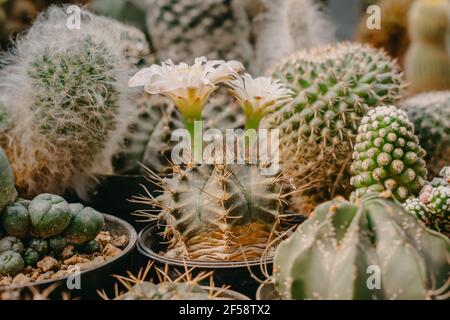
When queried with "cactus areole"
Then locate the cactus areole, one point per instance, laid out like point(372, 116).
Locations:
point(371, 249)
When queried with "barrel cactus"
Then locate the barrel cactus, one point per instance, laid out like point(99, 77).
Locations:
point(49, 215)
point(387, 155)
point(67, 101)
point(218, 212)
point(371, 249)
point(427, 63)
point(430, 113)
point(335, 86)
point(7, 191)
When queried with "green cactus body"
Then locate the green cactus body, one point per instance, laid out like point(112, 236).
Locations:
point(334, 253)
point(92, 247)
point(335, 86)
point(70, 106)
point(184, 29)
point(217, 212)
point(416, 207)
point(84, 226)
point(387, 155)
point(49, 215)
point(165, 291)
point(41, 246)
point(11, 263)
point(11, 243)
point(427, 63)
point(430, 114)
point(31, 257)
point(7, 191)
point(16, 220)
point(57, 244)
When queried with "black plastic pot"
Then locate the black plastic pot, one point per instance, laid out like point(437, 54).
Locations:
point(237, 275)
point(113, 193)
point(98, 276)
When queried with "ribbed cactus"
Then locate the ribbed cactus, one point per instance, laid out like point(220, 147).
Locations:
point(68, 102)
point(335, 86)
point(432, 206)
point(387, 155)
point(148, 140)
point(217, 212)
point(427, 63)
point(371, 249)
point(430, 113)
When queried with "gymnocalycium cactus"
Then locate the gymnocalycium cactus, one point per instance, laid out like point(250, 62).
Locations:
point(335, 86)
point(67, 101)
point(430, 113)
point(333, 254)
point(387, 155)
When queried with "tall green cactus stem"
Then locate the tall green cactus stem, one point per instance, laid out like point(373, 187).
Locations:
point(427, 63)
point(430, 114)
point(216, 212)
point(336, 253)
point(335, 86)
point(68, 103)
point(387, 155)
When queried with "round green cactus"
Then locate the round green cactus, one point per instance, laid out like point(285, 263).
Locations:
point(335, 86)
point(31, 257)
point(7, 191)
point(84, 226)
point(11, 243)
point(49, 215)
point(41, 246)
point(387, 155)
point(92, 246)
point(335, 253)
point(416, 207)
point(57, 244)
point(430, 114)
point(16, 219)
point(440, 200)
point(11, 263)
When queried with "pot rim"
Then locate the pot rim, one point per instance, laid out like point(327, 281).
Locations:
point(149, 253)
point(132, 240)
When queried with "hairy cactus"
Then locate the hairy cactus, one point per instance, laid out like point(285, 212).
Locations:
point(430, 113)
point(334, 253)
point(216, 212)
point(427, 63)
point(67, 101)
point(149, 139)
point(335, 86)
point(392, 35)
point(387, 155)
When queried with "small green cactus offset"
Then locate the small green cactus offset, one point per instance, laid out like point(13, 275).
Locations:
point(7, 191)
point(430, 113)
point(387, 155)
point(335, 86)
point(333, 254)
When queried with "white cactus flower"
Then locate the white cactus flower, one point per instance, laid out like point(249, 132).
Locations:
point(258, 96)
point(189, 86)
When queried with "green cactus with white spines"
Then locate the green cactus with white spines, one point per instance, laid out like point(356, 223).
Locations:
point(335, 86)
point(68, 103)
point(334, 254)
point(218, 212)
point(430, 113)
point(415, 206)
point(387, 155)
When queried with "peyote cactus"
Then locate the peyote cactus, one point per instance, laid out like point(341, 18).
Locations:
point(15, 219)
point(387, 155)
point(430, 113)
point(84, 226)
point(218, 212)
point(8, 193)
point(67, 101)
point(335, 86)
point(427, 62)
point(11, 263)
point(334, 254)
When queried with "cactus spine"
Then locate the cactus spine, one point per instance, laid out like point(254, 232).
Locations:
point(335, 86)
point(67, 101)
point(387, 155)
point(330, 254)
point(427, 64)
point(430, 113)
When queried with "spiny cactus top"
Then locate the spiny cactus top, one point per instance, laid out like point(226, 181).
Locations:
point(430, 114)
point(387, 155)
point(335, 86)
point(216, 212)
point(68, 102)
point(371, 249)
